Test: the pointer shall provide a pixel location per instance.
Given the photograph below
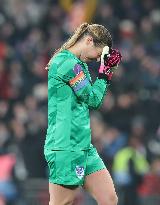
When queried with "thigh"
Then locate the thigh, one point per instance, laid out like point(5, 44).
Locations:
point(100, 185)
point(62, 195)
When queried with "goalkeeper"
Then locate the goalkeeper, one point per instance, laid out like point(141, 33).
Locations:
point(73, 161)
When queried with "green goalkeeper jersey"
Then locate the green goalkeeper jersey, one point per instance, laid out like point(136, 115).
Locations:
point(70, 96)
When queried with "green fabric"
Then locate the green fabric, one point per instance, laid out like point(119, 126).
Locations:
point(69, 104)
point(71, 167)
point(94, 162)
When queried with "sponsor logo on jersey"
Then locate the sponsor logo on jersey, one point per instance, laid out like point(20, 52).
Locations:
point(77, 69)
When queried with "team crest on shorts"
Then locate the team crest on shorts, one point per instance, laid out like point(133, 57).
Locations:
point(80, 172)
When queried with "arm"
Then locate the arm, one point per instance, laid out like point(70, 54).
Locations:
point(75, 75)
point(91, 94)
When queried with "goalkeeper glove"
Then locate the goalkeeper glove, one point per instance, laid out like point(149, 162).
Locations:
point(110, 59)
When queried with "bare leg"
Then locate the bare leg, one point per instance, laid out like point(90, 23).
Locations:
point(100, 186)
point(60, 195)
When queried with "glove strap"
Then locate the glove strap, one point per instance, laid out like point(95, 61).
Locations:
point(101, 68)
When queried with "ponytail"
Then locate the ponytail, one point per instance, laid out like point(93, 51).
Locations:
point(75, 37)
point(72, 40)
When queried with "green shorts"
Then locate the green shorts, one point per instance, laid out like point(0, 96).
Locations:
point(71, 167)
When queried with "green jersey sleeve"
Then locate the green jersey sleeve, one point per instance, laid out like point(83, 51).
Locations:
point(75, 75)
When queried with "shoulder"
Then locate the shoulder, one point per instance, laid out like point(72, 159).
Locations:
point(64, 58)
point(70, 64)
point(66, 65)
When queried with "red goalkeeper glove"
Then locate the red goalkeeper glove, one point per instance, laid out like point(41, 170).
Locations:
point(110, 60)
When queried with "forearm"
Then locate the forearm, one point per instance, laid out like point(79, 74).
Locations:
point(94, 95)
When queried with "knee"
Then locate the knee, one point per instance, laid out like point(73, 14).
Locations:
point(109, 200)
point(114, 200)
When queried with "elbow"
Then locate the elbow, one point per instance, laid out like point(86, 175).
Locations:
point(95, 103)
point(95, 106)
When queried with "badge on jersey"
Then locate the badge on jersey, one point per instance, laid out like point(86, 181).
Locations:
point(80, 80)
point(79, 171)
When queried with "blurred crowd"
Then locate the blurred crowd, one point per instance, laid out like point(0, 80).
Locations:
point(126, 130)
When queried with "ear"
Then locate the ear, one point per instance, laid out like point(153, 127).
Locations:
point(89, 40)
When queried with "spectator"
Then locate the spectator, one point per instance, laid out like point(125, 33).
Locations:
point(8, 189)
point(129, 167)
point(149, 189)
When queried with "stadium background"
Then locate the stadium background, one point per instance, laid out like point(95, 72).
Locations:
point(126, 130)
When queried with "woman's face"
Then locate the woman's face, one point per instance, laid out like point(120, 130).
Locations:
point(90, 52)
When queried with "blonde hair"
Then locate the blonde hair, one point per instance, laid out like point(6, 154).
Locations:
point(101, 36)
